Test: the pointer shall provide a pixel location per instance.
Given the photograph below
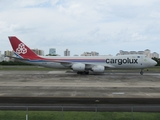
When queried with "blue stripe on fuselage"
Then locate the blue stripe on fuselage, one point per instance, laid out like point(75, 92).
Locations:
point(17, 55)
point(67, 60)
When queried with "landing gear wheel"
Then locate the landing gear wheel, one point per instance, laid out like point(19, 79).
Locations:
point(86, 72)
point(83, 73)
point(141, 72)
point(79, 73)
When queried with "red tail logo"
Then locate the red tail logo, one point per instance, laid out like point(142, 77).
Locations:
point(21, 49)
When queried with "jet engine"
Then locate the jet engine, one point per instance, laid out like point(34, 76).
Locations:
point(78, 67)
point(98, 69)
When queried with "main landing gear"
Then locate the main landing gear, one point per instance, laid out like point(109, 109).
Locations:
point(141, 72)
point(83, 73)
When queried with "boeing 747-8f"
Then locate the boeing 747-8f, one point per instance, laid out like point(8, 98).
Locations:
point(81, 65)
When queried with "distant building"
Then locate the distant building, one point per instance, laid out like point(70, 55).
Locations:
point(123, 52)
point(7, 59)
point(66, 52)
point(8, 53)
point(38, 52)
point(146, 52)
point(52, 51)
point(4, 57)
point(86, 54)
point(1, 57)
point(105, 55)
point(140, 52)
point(132, 52)
point(93, 53)
point(156, 55)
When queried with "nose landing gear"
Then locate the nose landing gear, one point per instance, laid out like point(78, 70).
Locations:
point(141, 72)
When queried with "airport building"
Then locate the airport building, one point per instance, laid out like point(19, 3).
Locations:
point(93, 53)
point(38, 52)
point(146, 52)
point(52, 51)
point(66, 52)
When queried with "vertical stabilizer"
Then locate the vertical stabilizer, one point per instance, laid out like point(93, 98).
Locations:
point(21, 50)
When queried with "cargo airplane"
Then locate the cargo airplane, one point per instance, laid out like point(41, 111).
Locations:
point(81, 65)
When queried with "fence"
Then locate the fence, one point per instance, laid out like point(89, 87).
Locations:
point(78, 112)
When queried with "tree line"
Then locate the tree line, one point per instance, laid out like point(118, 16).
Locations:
point(12, 63)
point(157, 60)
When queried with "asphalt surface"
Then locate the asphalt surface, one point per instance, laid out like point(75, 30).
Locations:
point(53, 87)
point(61, 84)
point(57, 90)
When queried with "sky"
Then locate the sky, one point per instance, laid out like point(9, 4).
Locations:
point(104, 26)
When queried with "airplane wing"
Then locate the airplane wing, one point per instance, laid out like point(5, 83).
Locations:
point(67, 63)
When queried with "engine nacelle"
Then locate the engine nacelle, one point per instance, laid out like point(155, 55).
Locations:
point(78, 67)
point(98, 69)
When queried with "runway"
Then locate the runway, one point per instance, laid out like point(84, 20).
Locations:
point(61, 84)
point(60, 90)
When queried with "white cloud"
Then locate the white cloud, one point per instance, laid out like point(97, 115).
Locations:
point(83, 25)
point(3, 26)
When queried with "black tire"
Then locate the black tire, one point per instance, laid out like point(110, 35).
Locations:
point(86, 72)
point(141, 72)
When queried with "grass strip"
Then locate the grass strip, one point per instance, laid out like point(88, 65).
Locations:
point(54, 115)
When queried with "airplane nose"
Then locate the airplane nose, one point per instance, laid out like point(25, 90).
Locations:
point(154, 63)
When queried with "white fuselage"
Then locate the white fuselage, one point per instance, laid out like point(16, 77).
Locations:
point(120, 62)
